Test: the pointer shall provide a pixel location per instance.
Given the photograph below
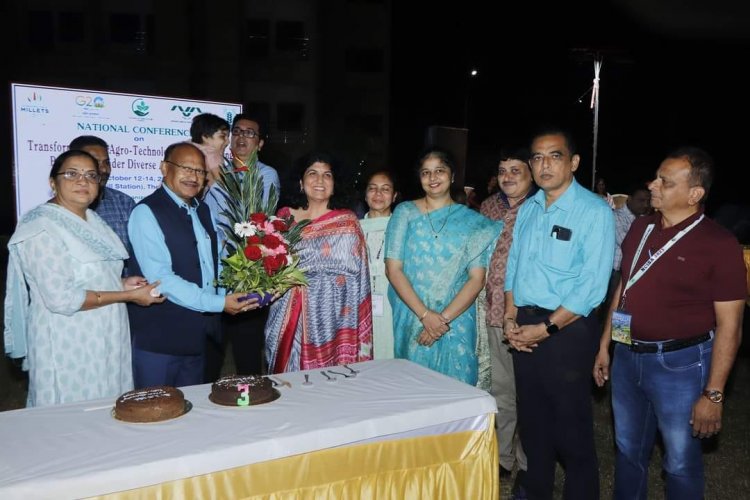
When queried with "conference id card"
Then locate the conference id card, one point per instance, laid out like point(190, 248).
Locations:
point(621, 327)
point(377, 304)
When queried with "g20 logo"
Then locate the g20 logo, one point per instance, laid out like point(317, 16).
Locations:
point(86, 101)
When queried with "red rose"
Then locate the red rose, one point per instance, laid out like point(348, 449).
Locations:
point(270, 241)
point(252, 252)
point(284, 213)
point(279, 225)
point(258, 218)
point(280, 261)
point(269, 264)
point(253, 240)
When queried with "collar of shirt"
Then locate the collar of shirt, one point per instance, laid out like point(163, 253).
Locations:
point(180, 202)
point(566, 201)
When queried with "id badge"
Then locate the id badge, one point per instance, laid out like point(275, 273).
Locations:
point(621, 327)
point(378, 304)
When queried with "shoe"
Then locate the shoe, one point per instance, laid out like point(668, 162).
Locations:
point(518, 492)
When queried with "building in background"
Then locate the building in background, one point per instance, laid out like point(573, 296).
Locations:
point(316, 71)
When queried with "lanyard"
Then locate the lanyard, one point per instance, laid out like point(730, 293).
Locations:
point(656, 256)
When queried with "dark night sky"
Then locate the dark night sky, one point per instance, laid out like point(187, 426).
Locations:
point(670, 78)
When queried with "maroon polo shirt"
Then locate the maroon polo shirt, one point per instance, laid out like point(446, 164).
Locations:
point(675, 298)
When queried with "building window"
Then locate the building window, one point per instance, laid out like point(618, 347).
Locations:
point(290, 36)
point(41, 30)
point(290, 116)
point(125, 28)
point(364, 60)
point(257, 43)
point(71, 27)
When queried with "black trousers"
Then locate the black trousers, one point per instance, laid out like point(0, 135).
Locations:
point(245, 333)
point(553, 386)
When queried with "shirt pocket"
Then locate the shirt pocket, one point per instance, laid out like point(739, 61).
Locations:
point(559, 255)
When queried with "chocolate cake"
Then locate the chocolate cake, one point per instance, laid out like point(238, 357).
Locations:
point(242, 390)
point(150, 404)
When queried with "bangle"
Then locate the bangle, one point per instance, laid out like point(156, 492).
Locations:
point(510, 319)
point(98, 298)
point(423, 315)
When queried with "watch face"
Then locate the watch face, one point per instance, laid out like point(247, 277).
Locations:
point(714, 396)
point(551, 327)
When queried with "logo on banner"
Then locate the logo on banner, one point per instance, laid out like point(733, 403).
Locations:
point(139, 107)
point(35, 105)
point(186, 111)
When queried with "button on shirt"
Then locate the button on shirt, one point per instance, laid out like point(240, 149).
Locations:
point(148, 243)
point(547, 271)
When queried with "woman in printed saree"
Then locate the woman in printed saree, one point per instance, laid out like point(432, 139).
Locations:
point(64, 310)
point(328, 322)
point(380, 194)
point(436, 254)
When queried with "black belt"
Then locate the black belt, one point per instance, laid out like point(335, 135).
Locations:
point(536, 310)
point(668, 345)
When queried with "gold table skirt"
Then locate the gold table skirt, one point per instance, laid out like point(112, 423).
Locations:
point(461, 465)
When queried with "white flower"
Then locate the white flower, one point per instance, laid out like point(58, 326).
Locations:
point(244, 229)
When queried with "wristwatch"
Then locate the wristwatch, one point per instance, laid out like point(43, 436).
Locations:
point(551, 327)
point(713, 395)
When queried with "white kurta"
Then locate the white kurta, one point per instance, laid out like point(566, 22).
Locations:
point(71, 355)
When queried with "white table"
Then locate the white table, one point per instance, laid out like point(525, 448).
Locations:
point(79, 450)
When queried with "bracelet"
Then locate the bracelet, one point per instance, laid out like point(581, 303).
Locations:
point(98, 298)
point(509, 319)
point(423, 315)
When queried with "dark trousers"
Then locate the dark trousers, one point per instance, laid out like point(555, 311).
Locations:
point(553, 385)
point(153, 368)
point(246, 334)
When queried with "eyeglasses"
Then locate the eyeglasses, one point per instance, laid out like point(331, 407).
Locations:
point(74, 175)
point(245, 132)
point(188, 170)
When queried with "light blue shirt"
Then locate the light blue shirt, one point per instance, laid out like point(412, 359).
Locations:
point(216, 200)
point(547, 271)
point(151, 251)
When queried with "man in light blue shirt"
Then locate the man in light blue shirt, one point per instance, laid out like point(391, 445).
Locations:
point(558, 269)
point(174, 241)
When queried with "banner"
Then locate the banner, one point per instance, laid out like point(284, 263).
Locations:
point(137, 128)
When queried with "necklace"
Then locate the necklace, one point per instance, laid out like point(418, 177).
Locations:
point(445, 221)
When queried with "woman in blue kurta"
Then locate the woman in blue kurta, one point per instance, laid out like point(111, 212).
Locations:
point(64, 310)
point(436, 254)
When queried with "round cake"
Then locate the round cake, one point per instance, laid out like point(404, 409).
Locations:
point(150, 404)
point(242, 390)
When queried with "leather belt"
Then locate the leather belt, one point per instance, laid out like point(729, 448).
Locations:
point(536, 310)
point(668, 345)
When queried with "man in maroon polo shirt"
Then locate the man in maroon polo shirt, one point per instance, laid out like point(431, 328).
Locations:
point(677, 327)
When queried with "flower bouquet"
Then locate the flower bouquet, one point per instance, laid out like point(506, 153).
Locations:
point(261, 259)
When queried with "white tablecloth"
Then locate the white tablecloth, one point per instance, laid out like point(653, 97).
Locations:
point(78, 450)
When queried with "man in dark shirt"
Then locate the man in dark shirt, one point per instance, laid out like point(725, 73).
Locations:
point(676, 321)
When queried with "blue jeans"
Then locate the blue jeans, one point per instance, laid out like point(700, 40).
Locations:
point(657, 391)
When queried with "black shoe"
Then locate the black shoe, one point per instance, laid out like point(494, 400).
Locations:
point(518, 492)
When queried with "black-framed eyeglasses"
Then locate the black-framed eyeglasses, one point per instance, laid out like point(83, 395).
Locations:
point(188, 170)
point(245, 132)
point(74, 175)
